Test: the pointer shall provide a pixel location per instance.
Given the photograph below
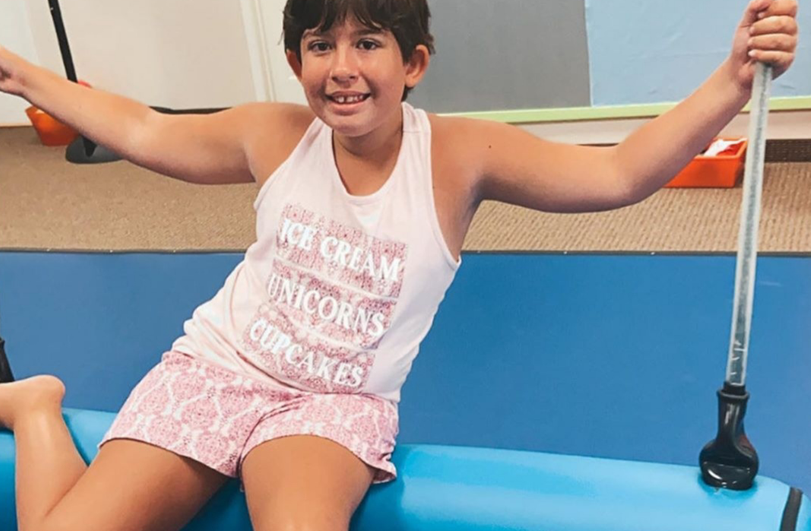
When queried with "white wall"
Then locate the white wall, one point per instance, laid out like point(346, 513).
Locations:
point(180, 54)
point(15, 34)
point(285, 86)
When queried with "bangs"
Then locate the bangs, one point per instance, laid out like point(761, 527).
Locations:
point(322, 15)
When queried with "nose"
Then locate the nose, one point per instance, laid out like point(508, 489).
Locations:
point(344, 65)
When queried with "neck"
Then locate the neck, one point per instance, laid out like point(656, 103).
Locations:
point(377, 146)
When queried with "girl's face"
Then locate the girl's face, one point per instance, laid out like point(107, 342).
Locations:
point(354, 76)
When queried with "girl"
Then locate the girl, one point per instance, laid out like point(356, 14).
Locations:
point(289, 377)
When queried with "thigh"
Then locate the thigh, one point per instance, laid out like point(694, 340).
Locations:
point(134, 486)
point(304, 482)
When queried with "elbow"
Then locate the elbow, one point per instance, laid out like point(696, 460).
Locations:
point(630, 183)
point(139, 135)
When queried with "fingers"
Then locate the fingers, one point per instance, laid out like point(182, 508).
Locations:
point(763, 9)
point(753, 10)
point(778, 8)
point(775, 25)
point(780, 60)
point(773, 31)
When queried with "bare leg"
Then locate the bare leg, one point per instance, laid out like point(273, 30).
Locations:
point(304, 482)
point(31, 408)
point(130, 485)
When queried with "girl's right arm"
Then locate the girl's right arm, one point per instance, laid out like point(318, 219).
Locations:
point(206, 149)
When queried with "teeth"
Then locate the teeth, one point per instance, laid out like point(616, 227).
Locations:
point(348, 99)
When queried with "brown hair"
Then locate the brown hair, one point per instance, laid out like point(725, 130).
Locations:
point(408, 20)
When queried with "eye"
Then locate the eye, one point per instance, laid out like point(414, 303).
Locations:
point(368, 45)
point(318, 46)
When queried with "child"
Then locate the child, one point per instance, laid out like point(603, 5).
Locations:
point(289, 377)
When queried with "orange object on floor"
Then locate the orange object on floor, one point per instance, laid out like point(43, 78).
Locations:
point(717, 171)
point(50, 131)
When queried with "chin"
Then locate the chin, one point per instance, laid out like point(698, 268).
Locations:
point(355, 125)
point(351, 130)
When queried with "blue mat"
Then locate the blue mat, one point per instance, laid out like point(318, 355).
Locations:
point(465, 489)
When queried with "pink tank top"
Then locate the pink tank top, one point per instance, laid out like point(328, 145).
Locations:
point(339, 290)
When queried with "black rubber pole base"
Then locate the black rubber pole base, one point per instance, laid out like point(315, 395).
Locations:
point(84, 151)
point(5, 369)
point(730, 461)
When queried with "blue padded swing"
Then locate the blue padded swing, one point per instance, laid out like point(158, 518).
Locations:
point(476, 489)
point(466, 489)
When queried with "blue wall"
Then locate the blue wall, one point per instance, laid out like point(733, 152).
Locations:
point(518, 54)
point(660, 51)
point(614, 356)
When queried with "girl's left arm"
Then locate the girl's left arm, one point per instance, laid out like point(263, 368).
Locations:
point(516, 167)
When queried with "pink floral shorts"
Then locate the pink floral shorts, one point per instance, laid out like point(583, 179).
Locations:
point(216, 416)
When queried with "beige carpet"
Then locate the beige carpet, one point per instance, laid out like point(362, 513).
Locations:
point(49, 204)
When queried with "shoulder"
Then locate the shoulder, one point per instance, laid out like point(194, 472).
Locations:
point(460, 147)
point(273, 131)
point(454, 131)
point(468, 138)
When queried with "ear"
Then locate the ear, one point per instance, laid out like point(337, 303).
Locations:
point(417, 65)
point(294, 63)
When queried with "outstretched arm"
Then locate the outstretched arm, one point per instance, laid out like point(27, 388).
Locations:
point(208, 149)
point(518, 168)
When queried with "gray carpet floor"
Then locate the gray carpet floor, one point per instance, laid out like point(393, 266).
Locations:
point(47, 203)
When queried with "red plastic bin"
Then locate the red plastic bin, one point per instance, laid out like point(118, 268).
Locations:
point(719, 171)
point(51, 132)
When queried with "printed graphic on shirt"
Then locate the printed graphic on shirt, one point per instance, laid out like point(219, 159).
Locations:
point(347, 315)
point(331, 296)
point(342, 254)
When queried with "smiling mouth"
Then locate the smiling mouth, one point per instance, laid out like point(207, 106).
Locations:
point(349, 100)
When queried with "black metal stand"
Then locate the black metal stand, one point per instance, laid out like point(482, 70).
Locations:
point(730, 461)
point(6, 375)
point(82, 150)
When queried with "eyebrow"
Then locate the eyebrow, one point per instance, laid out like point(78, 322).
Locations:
point(359, 33)
point(369, 31)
